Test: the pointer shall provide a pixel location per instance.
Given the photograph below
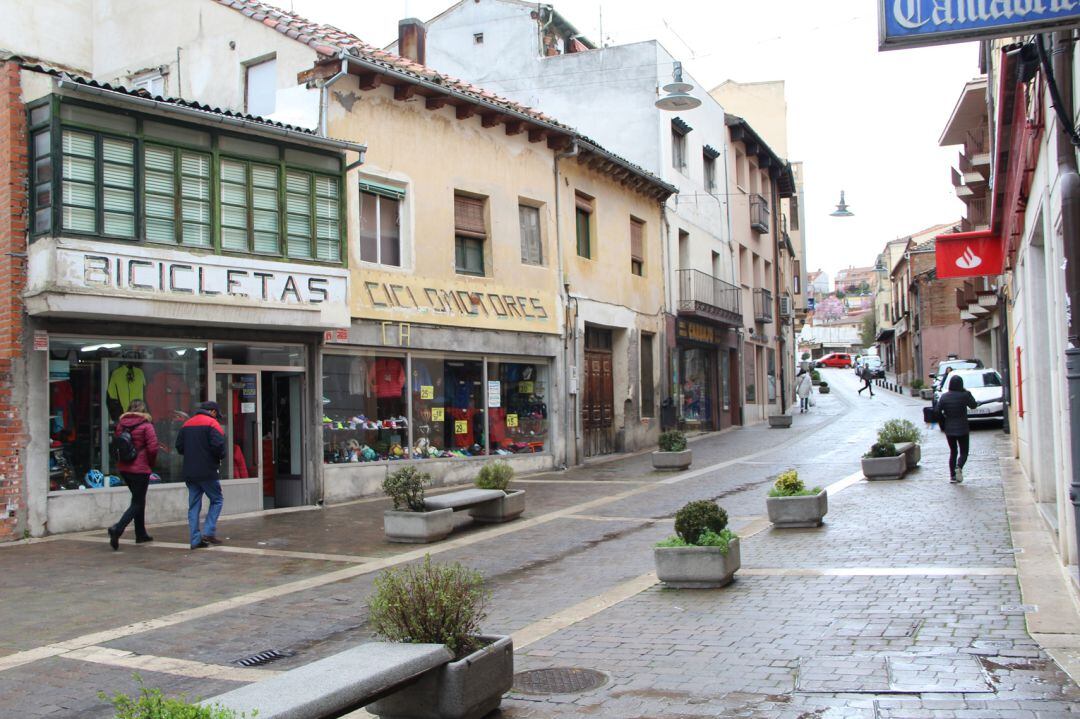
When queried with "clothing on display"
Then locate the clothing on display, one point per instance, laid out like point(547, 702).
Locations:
point(389, 377)
point(126, 383)
point(358, 377)
point(166, 393)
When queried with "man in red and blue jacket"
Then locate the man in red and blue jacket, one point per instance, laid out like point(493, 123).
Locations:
point(202, 443)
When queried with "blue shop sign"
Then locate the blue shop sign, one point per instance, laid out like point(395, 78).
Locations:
point(915, 23)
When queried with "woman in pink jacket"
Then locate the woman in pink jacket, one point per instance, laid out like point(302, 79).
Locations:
point(136, 472)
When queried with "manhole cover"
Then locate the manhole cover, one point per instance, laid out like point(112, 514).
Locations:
point(558, 680)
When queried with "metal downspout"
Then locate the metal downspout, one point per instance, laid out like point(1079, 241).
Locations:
point(1070, 227)
point(569, 343)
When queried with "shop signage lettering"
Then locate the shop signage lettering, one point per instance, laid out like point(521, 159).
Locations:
point(461, 302)
point(696, 332)
point(206, 281)
point(911, 23)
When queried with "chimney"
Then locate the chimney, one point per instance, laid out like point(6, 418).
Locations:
point(412, 39)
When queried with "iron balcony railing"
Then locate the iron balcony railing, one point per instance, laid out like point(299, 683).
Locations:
point(763, 306)
point(759, 213)
point(701, 292)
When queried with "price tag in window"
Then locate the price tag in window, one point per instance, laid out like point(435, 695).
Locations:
point(525, 387)
point(437, 414)
point(427, 391)
point(511, 420)
point(461, 426)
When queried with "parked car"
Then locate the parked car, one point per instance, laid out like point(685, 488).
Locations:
point(985, 385)
point(835, 359)
point(873, 365)
point(945, 367)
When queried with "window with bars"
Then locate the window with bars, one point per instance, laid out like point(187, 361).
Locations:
point(380, 225)
point(176, 196)
point(532, 252)
point(637, 247)
point(98, 184)
point(470, 234)
point(143, 187)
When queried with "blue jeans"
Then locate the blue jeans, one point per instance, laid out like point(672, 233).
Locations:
point(212, 489)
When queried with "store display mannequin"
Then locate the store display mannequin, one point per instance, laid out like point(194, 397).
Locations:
point(127, 382)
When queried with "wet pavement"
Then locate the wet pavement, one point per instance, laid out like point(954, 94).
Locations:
point(904, 604)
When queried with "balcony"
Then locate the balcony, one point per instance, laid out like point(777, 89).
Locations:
point(978, 215)
point(763, 306)
point(710, 297)
point(759, 214)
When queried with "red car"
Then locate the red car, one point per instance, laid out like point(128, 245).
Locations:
point(834, 359)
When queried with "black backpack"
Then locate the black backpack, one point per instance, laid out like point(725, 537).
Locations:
point(123, 447)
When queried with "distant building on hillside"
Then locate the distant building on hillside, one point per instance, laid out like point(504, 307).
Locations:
point(853, 277)
point(818, 282)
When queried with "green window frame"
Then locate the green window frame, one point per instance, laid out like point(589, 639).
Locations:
point(469, 255)
point(176, 196)
point(250, 196)
point(97, 191)
point(312, 216)
point(584, 239)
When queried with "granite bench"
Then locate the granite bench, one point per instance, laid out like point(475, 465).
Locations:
point(463, 499)
point(338, 684)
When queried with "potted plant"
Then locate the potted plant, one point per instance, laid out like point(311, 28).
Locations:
point(815, 377)
point(497, 475)
point(791, 504)
point(883, 461)
point(703, 553)
point(907, 438)
point(916, 387)
point(409, 521)
point(673, 453)
point(823, 387)
point(429, 603)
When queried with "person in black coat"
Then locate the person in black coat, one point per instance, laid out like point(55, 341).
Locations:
point(953, 408)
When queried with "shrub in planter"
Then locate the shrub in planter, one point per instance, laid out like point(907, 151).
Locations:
point(408, 521)
point(815, 377)
point(497, 475)
point(906, 436)
point(406, 487)
point(673, 453)
point(823, 388)
point(791, 504)
point(704, 553)
point(917, 384)
point(672, 441)
point(442, 604)
point(152, 704)
point(883, 461)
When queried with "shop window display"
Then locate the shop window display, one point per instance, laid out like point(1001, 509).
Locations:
point(93, 381)
point(697, 381)
point(517, 407)
point(448, 407)
point(364, 409)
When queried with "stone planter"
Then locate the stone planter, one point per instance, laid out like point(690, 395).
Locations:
point(672, 461)
point(791, 512)
point(469, 688)
point(501, 510)
point(418, 527)
point(884, 467)
point(927, 394)
point(696, 567)
point(815, 382)
point(824, 389)
point(915, 392)
point(913, 452)
point(780, 420)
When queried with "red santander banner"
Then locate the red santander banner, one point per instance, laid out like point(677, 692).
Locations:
point(969, 254)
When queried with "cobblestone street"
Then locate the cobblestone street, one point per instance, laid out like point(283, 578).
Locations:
point(906, 603)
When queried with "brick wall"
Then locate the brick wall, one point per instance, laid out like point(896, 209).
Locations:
point(14, 215)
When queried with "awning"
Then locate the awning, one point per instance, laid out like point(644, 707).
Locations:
point(885, 335)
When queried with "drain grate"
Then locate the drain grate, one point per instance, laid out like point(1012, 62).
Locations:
point(558, 680)
point(258, 660)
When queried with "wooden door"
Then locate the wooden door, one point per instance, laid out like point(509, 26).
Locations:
point(598, 407)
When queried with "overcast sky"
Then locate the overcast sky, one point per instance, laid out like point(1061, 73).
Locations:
point(860, 120)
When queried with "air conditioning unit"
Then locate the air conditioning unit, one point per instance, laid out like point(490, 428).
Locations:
point(785, 306)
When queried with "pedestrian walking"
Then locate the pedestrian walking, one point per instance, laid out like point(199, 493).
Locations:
point(202, 443)
point(803, 387)
point(864, 375)
point(136, 444)
point(952, 410)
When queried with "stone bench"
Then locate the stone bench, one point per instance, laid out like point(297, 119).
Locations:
point(338, 684)
point(463, 499)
